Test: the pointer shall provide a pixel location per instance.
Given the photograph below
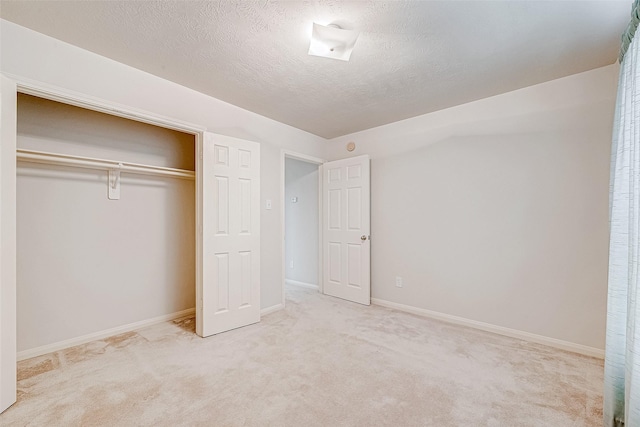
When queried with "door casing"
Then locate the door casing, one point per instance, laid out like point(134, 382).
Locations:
point(8, 338)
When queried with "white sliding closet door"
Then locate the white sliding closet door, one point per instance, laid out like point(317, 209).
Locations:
point(8, 115)
point(228, 285)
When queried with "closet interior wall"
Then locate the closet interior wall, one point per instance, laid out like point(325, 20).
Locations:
point(88, 264)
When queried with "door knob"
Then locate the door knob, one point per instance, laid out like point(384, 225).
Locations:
point(363, 238)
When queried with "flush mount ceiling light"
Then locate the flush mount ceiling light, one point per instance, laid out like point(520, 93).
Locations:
point(331, 41)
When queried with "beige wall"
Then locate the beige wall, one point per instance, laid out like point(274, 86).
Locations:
point(497, 211)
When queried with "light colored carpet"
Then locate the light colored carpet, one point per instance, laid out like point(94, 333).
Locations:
point(320, 362)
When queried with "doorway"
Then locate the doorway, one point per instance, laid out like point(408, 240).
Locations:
point(301, 199)
point(341, 263)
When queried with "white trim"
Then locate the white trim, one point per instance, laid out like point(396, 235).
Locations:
point(8, 335)
point(305, 158)
point(301, 284)
point(500, 330)
point(271, 309)
point(60, 345)
point(199, 234)
point(284, 154)
point(54, 93)
point(320, 234)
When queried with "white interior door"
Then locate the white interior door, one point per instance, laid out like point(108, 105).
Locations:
point(8, 115)
point(346, 228)
point(228, 193)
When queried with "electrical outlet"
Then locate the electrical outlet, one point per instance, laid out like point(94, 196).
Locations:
point(291, 264)
point(399, 282)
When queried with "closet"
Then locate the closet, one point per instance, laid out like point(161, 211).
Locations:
point(106, 223)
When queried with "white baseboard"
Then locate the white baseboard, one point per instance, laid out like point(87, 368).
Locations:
point(500, 330)
point(301, 284)
point(271, 309)
point(49, 348)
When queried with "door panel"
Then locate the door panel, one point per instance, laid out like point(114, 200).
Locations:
point(346, 219)
point(229, 244)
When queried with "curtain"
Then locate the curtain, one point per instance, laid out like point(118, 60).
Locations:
point(622, 353)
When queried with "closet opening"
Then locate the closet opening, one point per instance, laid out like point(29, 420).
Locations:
point(301, 199)
point(106, 225)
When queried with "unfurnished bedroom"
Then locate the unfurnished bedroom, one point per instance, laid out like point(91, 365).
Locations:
point(319, 213)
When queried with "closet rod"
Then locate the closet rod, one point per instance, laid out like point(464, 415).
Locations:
point(92, 163)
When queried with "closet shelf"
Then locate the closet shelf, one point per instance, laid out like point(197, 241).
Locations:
point(93, 163)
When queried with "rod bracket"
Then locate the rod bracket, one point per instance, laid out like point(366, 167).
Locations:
point(114, 183)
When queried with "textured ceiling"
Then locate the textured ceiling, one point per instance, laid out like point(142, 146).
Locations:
point(412, 57)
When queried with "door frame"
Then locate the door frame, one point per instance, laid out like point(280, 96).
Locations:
point(54, 93)
point(8, 353)
point(288, 154)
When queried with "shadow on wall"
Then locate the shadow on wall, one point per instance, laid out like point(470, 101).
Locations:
point(413, 137)
point(43, 124)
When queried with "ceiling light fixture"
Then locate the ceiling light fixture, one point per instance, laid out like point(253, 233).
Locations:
point(331, 41)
